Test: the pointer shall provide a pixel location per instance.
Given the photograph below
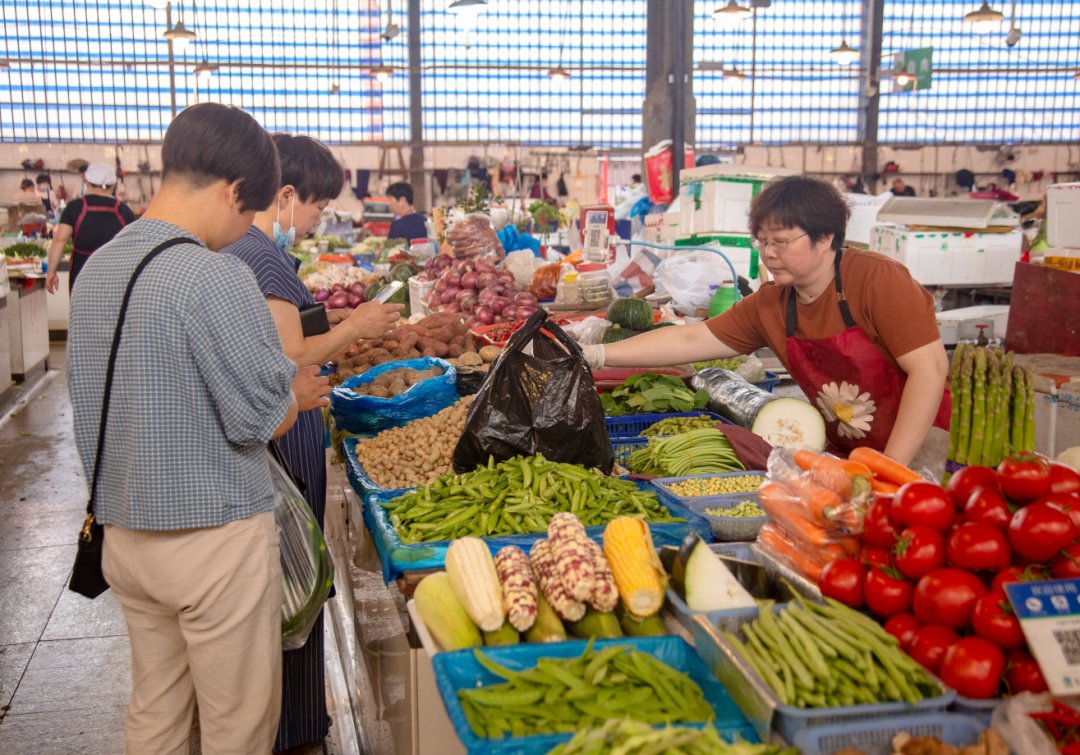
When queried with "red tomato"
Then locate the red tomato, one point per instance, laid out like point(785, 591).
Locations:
point(969, 479)
point(947, 596)
point(1067, 565)
point(1038, 531)
point(844, 579)
point(973, 667)
point(1033, 573)
point(877, 557)
point(979, 547)
point(930, 643)
point(1067, 502)
point(923, 503)
point(1022, 673)
point(993, 619)
point(878, 528)
point(989, 506)
point(1063, 479)
point(887, 594)
point(1024, 477)
point(919, 551)
point(903, 626)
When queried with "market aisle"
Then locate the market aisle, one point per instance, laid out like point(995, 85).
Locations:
point(64, 660)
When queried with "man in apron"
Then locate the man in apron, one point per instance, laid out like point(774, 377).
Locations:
point(90, 222)
point(853, 328)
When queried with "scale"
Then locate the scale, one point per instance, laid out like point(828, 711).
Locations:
point(597, 228)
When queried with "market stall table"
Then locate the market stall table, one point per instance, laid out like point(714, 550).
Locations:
point(27, 323)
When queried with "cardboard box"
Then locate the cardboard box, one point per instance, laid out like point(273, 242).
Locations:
point(944, 258)
point(864, 213)
point(1057, 400)
point(1063, 215)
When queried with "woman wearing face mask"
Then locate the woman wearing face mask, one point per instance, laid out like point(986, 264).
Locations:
point(854, 329)
point(310, 178)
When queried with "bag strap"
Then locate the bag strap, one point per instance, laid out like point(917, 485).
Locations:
point(533, 327)
point(112, 357)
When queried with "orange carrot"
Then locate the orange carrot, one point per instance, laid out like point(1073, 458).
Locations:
point(843, 476)
point(821, 503)
point(884, 467)
point(883, 488)
point(780, 546)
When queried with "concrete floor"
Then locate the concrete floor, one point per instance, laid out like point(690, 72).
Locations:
point(64, 659)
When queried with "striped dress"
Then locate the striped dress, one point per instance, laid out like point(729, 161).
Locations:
point(304, 717)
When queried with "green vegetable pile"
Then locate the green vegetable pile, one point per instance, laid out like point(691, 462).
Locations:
point(732, 363)
point(817, 656)
point(676, 425)
point(568, 694)
point(517, 496)
point(744, 510)
point(628, 737)
point(25, 250)
point(703, 451)
point(648, 392)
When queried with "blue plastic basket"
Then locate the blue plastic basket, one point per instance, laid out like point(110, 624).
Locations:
point(361, 483)
point(980, 710)
point(875, 737)
point(621, 448)
point(667, 494)
point(769, 383)
point(460, 670)
point(728, 529)
point(632, 425)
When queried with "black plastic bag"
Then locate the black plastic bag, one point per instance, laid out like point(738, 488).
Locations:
point(544, 402)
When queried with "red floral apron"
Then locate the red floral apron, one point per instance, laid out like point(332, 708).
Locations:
point(79, 256)
point(849, 380)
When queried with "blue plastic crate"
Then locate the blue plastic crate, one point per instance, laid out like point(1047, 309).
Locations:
point(769, 383)
point(460, 670)
point(980, 710)
point(361, 483)
point(621, 448)
point(668, 495)
point(874, 737)
point(632, 425)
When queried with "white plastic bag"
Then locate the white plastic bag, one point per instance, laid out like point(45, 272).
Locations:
point(522, 264)
point(686, 277)
point(589, 331)
point(1021, 732)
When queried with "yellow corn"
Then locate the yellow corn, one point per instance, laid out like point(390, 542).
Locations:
point(638, 574)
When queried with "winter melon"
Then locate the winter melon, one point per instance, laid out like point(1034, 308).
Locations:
point(635, 314)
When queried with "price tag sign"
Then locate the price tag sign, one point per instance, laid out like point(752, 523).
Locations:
point(1049, 614)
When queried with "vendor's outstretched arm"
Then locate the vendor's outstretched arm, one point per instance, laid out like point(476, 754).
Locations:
point(927, 368)
point(659, 348)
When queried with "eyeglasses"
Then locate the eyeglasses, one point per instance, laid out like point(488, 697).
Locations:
point(779, 246)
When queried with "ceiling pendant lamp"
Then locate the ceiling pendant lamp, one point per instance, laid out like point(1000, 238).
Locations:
point(206, 69)
point(844, 55)
point(985, 19)
point(467, 12)
point(558, 73)
point(734, 74)
point(732, 13)
point(903, 78)
point(381, 72)
point(180, 36)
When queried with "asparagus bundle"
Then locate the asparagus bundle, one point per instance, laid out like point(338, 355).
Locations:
point(993, 411)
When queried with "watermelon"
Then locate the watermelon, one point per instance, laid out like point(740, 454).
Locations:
point(402, 271)
point(373, 290)
point(617, 333)
point(635, 314)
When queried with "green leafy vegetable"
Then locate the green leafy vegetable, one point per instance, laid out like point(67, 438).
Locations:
point(650, 393)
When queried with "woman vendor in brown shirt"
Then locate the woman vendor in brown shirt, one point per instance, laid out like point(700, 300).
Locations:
point(853, 328)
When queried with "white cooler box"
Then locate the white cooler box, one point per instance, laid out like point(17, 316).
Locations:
point(945, 258)
point(1063, 215)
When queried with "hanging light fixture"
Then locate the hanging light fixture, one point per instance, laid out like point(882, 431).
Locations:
point(558, 73)
point(732, 13)
point(903, 78)
point(180, 36)
point(844, 55)
point(1075, 75)
point(985, 19)
point(5, 64)
point(381, 72)
point(206, 69)
point(467, 12)
point(335, 88)
point(159, 4)
point(734, 74)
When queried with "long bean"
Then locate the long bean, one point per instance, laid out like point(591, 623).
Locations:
point(517, 496)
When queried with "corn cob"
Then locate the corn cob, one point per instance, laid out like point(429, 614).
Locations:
point(638, 574)
point(570, 549)
point(519, 586)
point(474, 579)
point(543, 563)
point(605, 595)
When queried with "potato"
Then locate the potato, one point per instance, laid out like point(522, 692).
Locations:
point(398, 387)
point(490, 353)
point(471, 359)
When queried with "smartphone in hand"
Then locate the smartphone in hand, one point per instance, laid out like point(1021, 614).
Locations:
point(392, 288)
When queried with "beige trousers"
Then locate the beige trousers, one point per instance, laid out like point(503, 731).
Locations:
point(203, 610)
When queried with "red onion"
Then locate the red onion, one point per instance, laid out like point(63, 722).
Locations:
point(468, 303)
point(485, 315)
point(452, 307)
point(336, 288)
point(357, 289)
point(355, 301)
point(510, 312)
point(524, 298)
point(449, 295)
point(524, 313)
point(453, 280)
point(469, 280)
point(484, 265)
point(322, 294)
point(506, 276)
point(472, 322)
point(498, 304)
point(337, 300)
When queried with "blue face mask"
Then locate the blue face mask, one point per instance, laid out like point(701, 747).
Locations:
point(285, 240)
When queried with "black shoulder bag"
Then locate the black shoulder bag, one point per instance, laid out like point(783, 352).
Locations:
point(87, 578)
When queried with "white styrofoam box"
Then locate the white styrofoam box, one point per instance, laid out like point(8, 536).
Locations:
point(946, 213)
point(963, 324)
point(942, 258)
point(419, 291)
point(653, 230)
point(716, 198)
point(1067, 427)
point(1063, 215)
point(864, 212)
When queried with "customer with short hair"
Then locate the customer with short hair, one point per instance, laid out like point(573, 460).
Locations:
point(90, 222)
point(310, 178)
point(26, 193)
point(185, 492)
point(408, 224)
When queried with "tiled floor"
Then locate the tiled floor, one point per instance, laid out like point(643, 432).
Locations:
point(64, 665)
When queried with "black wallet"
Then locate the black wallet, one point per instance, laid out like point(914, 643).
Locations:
point(313, 320)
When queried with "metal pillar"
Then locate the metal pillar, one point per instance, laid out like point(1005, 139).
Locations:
point(172, 66)
point(873, 12)
point(669, 107)
point(416, 112)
